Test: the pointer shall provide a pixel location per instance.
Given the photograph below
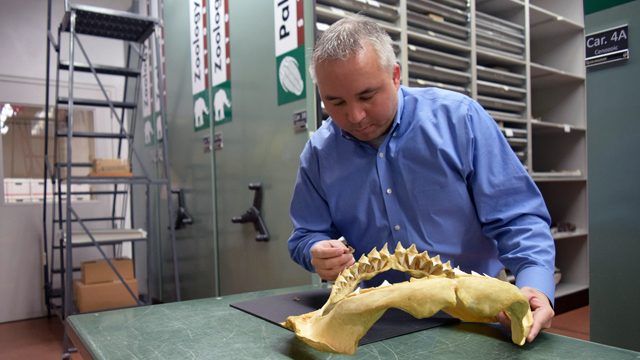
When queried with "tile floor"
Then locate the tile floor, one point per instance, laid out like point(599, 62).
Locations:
point(42, 338)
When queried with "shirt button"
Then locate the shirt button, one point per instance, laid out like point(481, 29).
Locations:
point(381, 155)
point(389, 191)
point(396, 228)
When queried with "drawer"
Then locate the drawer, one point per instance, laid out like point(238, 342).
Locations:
point(368, 8)
point(427, 83)
point(501, 91)
point(432, 23)
point(435, 57)
point(500, 76)
point(426, 7)
point(494, 103)
point(437, 73)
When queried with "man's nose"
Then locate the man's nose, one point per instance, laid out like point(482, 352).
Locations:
point(356, 113)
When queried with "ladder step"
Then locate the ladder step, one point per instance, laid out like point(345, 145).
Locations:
point(100, 69)
point(94, 219)
point(101, 103)
point(105, 237)
point(109, 23)
point(76, 164)
point(98, 193)
point(55, 293)
point(94, 135)
point(112, 180)
point(105, 192)
point(58, 271)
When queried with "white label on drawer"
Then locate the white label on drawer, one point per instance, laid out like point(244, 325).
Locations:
point(567, 128)
point(374, 3)
point(508, 132)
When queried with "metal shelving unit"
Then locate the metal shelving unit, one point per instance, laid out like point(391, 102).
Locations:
point(517, 58)
point(69, 229)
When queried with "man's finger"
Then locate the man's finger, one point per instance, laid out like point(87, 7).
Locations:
point(325, 249)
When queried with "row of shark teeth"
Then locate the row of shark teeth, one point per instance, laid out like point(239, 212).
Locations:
point(407, 260)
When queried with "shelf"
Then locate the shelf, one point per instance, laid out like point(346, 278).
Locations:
point(558, 176)
point(545, 76)
point(570, 234)
point(564, 289)
point(565, 9)
point(545, 24)
point(106, 236)
point(542, 127)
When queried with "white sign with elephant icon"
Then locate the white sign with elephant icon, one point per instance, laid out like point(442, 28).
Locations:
point(220, 61)
point(199, 65)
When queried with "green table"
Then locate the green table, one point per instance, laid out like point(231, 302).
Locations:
point(211, 329)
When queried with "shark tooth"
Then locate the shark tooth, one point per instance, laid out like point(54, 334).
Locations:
point(374, 254)
point(385, 251)
point(354, 270)
point(411, 258)
point(412, 249)
point(364, 260)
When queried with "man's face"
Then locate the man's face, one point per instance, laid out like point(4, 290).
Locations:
point(359, 94)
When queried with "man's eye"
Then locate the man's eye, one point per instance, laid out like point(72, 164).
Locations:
point(337, 103)
point(367, 97)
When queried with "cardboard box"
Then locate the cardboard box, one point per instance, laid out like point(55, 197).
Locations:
point(98, 271)
point(110, 167)
point(106, 295)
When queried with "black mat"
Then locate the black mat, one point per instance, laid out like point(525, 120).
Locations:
point(394, 322)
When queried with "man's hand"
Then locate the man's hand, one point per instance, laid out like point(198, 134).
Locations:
point(329, 258)
point(540, 308)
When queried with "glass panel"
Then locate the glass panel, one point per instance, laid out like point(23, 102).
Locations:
point(23, 140)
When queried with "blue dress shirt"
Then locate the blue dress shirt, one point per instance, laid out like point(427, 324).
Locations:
point(444, 179)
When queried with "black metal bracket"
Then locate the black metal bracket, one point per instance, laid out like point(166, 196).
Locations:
point(183, 217)
point(254, 214)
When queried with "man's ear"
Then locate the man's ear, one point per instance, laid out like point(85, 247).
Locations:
point(396, 75)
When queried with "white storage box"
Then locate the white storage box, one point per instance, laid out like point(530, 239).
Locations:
point(80, 187)
point(37, 190)
point(17, 190)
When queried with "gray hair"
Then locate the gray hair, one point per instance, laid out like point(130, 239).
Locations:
point(347, 37)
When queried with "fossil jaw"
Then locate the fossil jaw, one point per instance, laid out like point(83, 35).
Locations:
point(349, 313)
point(418, 265)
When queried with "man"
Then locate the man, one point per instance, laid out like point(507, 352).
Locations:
point(417, 166)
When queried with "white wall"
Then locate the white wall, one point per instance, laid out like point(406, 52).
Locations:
point(22, 80)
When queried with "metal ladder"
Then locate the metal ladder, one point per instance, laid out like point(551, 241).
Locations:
point(69, 229)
